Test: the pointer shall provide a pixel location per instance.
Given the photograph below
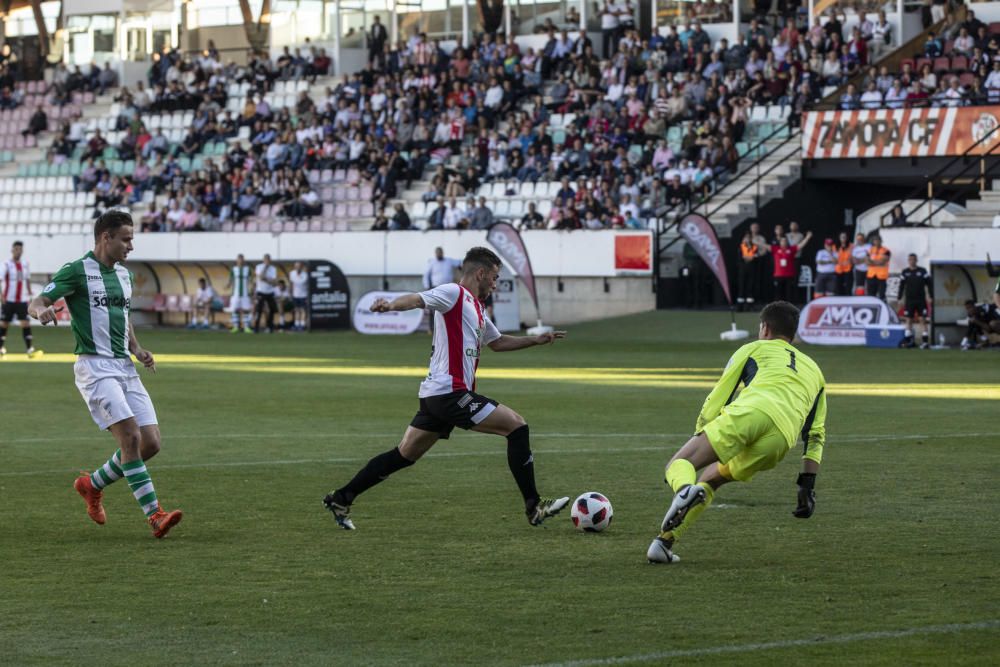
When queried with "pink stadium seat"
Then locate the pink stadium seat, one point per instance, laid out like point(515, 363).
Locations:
point(327, 194)
point(173, 303)
point(227, 226)
point(340, 211)
point(995, 28)
point(354, 193)
point(329, 226)
point(239, 226)
point(959, 63)
point(313, 176)
point(339, 175)
point(301, 226)
point(367, 210)
point(942, 64)
point(366, 191)
point(160, 303)
point(353, 175)
point(184, 303)
point(277, 227)
point(252, 226)
point(340, 193)
point(967, 78)
point(315, 225)
point(264, 211)
point(326, 176)
point(919, 65)
point(353, 210)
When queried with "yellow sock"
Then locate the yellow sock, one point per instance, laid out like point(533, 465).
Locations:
point(693, 513)
point(679, 474)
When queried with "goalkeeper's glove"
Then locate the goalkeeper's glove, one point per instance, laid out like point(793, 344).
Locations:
point(807, 496)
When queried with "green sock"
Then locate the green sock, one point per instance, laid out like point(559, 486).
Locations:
point(141, 485)
point(679, 474)
point(693, 513)
point(109, 472)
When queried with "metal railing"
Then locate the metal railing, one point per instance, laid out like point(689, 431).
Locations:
point(670, 216)
point(961, 181)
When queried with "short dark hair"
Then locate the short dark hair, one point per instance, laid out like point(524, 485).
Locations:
point(111, 221)
point(782, 318)
point(480, 257)
point(17, 243)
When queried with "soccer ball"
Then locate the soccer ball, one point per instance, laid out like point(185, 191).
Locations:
point(592, 512)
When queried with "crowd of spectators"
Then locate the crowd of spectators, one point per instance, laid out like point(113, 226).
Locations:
point(959, 67)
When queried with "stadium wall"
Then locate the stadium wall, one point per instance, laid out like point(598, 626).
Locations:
point(575, 271)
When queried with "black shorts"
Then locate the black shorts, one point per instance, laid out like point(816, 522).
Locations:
point(13, 308)
point(299, 302)
point(915, 308)
point(441, 414)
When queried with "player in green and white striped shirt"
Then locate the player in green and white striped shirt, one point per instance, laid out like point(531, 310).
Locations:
point(98, 292)
point(240, 305)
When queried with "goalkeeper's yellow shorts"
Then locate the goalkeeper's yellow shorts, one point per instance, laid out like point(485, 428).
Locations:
point(746, 441)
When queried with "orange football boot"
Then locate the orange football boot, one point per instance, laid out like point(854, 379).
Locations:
point(95, 510)
point(161, 522)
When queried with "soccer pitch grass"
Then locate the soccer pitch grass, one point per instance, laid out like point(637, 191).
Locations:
point(897, 566)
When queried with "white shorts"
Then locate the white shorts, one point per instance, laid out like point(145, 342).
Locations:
point(112, 390)
point(240, 303)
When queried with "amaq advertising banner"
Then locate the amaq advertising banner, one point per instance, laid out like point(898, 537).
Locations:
point(329, 296)
point(888, 133)
point(510, 247)
point(847, 320)
point(701, 235)
point(395, 323)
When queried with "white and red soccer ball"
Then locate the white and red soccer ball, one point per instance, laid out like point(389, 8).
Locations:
point(592, 512)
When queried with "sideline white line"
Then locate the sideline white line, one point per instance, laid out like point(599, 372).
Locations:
point(491, 452)
point(789, 643)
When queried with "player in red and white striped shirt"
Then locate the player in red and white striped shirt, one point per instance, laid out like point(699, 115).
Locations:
point(448, 395)
point(15, 281)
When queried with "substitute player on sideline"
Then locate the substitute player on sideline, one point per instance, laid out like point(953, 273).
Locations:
point(448, 395)
point(16, 281)
point(783, 396)
point(241, 286)
point(98, 291)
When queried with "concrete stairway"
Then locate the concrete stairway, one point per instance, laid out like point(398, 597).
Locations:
point(982, 212)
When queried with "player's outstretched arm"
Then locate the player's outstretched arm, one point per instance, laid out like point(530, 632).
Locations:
point(144, 356)
point(814, 435)
point(405, 302)
point(41, 309)
point(507, 343)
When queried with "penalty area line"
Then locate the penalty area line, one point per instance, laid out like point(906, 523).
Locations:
point(951, 628)
point(665, 447)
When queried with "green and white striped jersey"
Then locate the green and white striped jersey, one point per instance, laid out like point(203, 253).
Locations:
point(99, 299)
point(240, 277)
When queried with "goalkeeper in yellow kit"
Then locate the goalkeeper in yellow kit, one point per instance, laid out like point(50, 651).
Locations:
point(738, 436)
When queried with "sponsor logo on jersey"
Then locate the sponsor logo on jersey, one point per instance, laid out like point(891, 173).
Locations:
point(103, 301)
point(472, 352)
point(93, 277)
point(474, 406)
point(49, 288)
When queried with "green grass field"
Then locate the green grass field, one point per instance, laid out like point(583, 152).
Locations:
point(897, 567)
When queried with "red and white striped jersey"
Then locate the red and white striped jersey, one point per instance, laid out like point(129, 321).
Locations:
point(15, 277)
point(461, 328)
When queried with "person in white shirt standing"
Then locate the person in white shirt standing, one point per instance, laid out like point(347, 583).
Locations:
point(202, 305)
point(15, 280)
point(267, 279)
point(448, 395)
point(859, 256)
point(299, 278)
point(440, 270)
point(826, 270)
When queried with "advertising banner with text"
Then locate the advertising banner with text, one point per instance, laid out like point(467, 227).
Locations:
point(888, 133)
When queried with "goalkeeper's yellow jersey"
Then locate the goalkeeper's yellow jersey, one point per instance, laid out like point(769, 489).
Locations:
point(779, 381)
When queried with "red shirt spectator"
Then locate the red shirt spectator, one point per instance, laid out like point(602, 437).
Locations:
point(784, 260)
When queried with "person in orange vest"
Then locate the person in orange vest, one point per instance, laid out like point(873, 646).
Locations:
point(878, 268)
point(844, 264)
point(746, 283)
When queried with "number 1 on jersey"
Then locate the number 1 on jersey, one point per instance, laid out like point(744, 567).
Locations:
point(791, 364)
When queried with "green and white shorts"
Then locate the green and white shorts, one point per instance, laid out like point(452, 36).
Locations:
point(112, 390)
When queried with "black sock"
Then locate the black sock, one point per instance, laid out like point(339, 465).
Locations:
point(3, 337)
point(26, 332)
point(522, 465)
point(375, 471)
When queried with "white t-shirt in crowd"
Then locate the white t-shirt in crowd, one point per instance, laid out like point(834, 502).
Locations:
point(830, 259)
